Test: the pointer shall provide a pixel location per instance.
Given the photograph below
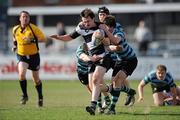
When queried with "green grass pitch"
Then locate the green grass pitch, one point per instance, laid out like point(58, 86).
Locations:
point(66, 100)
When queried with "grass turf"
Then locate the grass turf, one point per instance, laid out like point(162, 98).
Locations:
point(66, 100)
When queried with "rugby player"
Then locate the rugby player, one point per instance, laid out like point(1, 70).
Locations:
point(83, 63)
point(102, 13)
point(126, 64)
point(96, 49)
point(160, 80)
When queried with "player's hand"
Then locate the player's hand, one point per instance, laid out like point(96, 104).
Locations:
point(96, 57)
point(54, 36)
point(140, 99)
point(103, 27)
point(119, 48)
point(106, 41)
point(14, 49)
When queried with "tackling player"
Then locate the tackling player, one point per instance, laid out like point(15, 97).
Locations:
point(102, 13)
point(126, 64)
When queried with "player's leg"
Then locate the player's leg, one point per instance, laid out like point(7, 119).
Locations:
point(107, 100)
point(34, 65)
point(121, 83)
point(127, 67)
point(83, 78)
point(96, 78)
point(158, 98)
point(115, 92)
point(22, 68)
point(38, 86)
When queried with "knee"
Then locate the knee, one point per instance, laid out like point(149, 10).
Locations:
point(95, 81)
point(37, 82)
point(22, 76)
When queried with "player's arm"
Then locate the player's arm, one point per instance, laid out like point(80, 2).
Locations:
point(114, 48)
point(85, 57)
point(88, 58)
point(111, 48)
point(115, 40)
point(67, 37)
point(141, 90)
point(14, 48)
point(38, 34)
point(106, 42)
point(62, 37)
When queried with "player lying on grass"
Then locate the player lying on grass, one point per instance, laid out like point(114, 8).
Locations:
point(161, 80)
point(169, 97)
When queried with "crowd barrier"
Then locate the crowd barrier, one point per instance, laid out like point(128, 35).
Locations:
point(63, 67)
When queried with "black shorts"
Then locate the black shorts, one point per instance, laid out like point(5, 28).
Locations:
point(83, 78)
point(156, 89)
point(128, 66)
point(104, 62)
point(112, 64)
point(32, 60)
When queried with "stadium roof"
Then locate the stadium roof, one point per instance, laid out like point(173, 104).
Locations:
point(114, 8)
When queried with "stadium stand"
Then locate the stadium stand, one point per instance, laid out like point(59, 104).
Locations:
point(163, 18)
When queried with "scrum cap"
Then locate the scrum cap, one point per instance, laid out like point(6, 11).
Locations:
point(103, 10)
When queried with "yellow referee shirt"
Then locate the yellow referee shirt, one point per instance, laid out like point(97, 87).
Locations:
point(24, 47)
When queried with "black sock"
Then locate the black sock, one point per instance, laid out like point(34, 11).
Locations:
point(99, 101)
point(23, 84)
point(39, 90)
point(128, 90)
point(107, 99)
point(93, 104)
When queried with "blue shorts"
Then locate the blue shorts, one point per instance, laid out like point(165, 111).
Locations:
point(32, 60)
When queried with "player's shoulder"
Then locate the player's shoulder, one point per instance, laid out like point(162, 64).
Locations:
point(169, 74)
point(80, 26)
point(15, 27)
point(152, 73)
point(33, 26)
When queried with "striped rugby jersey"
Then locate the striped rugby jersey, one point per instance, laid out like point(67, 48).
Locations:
point(127, 52)
point(93, 47)
point(81, 65)
point(152, 78)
